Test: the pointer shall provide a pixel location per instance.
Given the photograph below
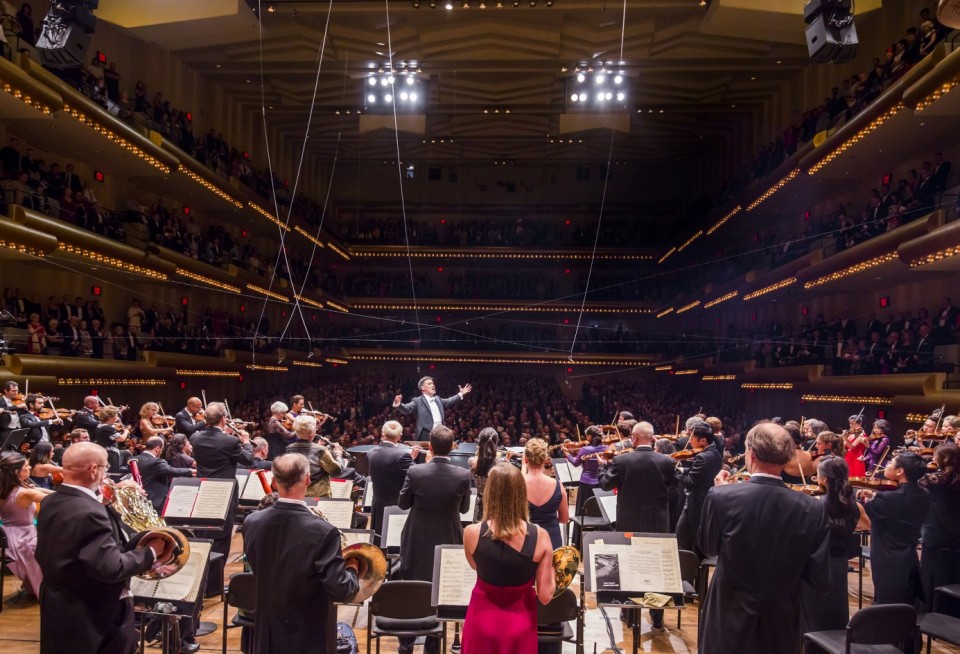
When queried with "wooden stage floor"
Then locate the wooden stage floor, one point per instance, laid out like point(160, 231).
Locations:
point(19, 626)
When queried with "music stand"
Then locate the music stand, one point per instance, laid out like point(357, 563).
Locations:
point(15, 439)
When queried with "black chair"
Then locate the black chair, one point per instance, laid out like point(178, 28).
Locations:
point(689, 575)
point(3, 562)
point(881, 629)
point(863, 555)
point(939, 626)
point(402, 609)
point(591, 520)
point(554, 618)
point(703, 582)
point(242, 594)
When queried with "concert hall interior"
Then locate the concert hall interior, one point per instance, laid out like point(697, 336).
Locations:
point(723, 213)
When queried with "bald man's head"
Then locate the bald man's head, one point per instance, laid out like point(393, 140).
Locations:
point(84, 464)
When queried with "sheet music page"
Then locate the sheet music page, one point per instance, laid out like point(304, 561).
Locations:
point(562, 470)
point(645, 565)
point(575, 472)
point(368, 494)
point(457, 578)
point(353, 537)
point(213, 500)
point(182, 586)
point(253, 491)
point(180, 501)
point(242, 476)
point(341, 488)
point(337, 512)
point(609, 503)
point(468, 515)
point(395, 528)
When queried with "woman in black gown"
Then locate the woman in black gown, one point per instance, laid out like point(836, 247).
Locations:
point(940, 559)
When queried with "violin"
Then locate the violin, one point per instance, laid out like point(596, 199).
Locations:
point(684, 455)
point(870, 483)
point(733, 460)
point(163, 422)
point(573, 447)
point(47, 413)
point(807, 489)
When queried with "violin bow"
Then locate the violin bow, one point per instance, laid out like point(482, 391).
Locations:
point(877, 468)
point(943, 410)
point(203, 394)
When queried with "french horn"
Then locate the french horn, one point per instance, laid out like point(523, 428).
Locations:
point(566, 562)
point(371, 563)
point(137, 512)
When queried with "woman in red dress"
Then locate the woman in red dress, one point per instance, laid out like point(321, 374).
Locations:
point(856, 447)
point(514, 563)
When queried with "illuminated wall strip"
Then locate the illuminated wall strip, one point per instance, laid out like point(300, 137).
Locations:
point(662, 368)
point(856, 138)
point(723, 298)
point(208, 373)
point(108, 381)
point(267, 368)
point(665, 312)
point(307, 364)
point(306, 300)
point(848, 399)
point(852, 270)
point(936, 95)
point(936, 256)
point(770, 289)
point(720, 223)
point(449, 359)
point(26, 99)
point(310, 237)
point(21, 248)
point(116, 138)
point(210, 187)
point(338, 250)
point(339, 307)
point(337, 361)
point(490, 307)
point(207, 280)
point(691, 371)
point(785, 386)
point(111, 261)
point(773, 189)
point(916, 417)
point(668, 253)
point(269, 216)
point(451, 254)
point(690, 240)
point(718, 377)
point(271, 294)
point(687, 307)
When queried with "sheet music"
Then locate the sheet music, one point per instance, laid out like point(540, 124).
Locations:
point(395, 524)
point(180, 501)
point(457, 578)
point(184, 586)
point(609, 503)
point(341, 488)
point(337, 512)
point(368, 494)
point(357, 536)
point(242, 476)
point(468, 515)
point(575, 472)
point(213, 500)
point(562, 471)
point(646, 564)
point(253, 491)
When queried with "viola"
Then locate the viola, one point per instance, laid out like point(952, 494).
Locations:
point(163, 422)
point(684, 455)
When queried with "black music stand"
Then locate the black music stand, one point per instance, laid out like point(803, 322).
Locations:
point(15, 439)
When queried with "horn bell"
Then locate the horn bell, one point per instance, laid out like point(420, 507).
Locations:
point(176, 552)
point(566, 561)
point(371, 568)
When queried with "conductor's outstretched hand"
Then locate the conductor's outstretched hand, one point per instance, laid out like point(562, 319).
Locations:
point(396, 401)
point(465, 389)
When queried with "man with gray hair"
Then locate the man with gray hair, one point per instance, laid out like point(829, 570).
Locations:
point(388, 463)
point(428, 407)
point(769, 541)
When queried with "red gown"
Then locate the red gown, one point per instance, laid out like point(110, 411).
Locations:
point(852, 457)
point(502, 615)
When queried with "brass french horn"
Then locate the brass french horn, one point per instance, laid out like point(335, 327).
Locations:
point(137, 512)
point(566, 561)
point(371, 564)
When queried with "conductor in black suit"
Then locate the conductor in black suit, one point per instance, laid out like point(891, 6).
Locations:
point(768, 540)
point(436, 493)
point(85, 568)
point(185, 424)
point(296, 558)
point(645, 479)
point(428, 407)
point(156, 473)
point(697, 481)
point(388, 470)
point(217, 454)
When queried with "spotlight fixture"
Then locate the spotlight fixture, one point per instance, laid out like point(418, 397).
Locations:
point(416, 4)
point(516, 3)
point(607, 89)
point(382, 89)
point(449, 5)
point(533, 3)
point(271, 9)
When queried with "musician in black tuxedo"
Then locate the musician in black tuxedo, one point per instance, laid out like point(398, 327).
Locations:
point(697, 480)
point(185, 424)
point(768, 540)
point(217, 454)
point(292, 550)
point(86, 418)
point(644, 479)
point(436, 494)
point(428, 407)
point(156, 473)
point(85, 568)
point(10, 418)
point(39, 429)
point(388, 469)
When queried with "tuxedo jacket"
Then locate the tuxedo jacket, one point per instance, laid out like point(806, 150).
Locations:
point(644, 479)
point(295, 557)
point(184, 423)
point(6, 419)
point(85, 568)
point(420, 406)
point(218, 454)
point(34, 423)
point(388, 466)
point(436, 494)
point(768, 540)
point(156, 474)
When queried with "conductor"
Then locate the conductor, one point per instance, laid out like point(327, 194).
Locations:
point(428, 407)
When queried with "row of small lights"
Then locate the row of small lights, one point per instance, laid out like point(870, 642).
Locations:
point(339, 307)
point(852, 270)
point(583, 362)
point(936, 95)
point(268, 293)
point(666, 255)
point(665, 312)
point(207, 280)
point(691, 371)
point(560, 256)
point(307, 364)
point(718, 377)
point(936, 256)
point(26, 99)
point(306, 300)
point(856, 138)
point(663, 368)
point(773, 189)
point(770, 289)
point(441, 140)
point(253, 366)
point(690, 240)
point(223, 195)
point(848, 399)
point(208, 373)
point(337, 362)
point(723, 298)
point(90, 381)
point(119, 140)
point(310, 237)
point(783, 386)
point(492, 307)
point(482, 4)
point(111, 261)
point(336, 249)
point(687, 307)
point(21, 248)
point(720, 223)
point(916, 417)
point(269, 216)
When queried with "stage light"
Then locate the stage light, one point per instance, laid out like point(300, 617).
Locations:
point(449, 5)
point(372, 81)
point(574, 97)
point(388, 98)
point(384, 82)
point(404, 95)
point(618, 79)
point(581, 77)
point(620, 97)
point(413, 97)
point(608, 89)
point(599, 79)
point(391, 79)
point(409, 81)
point(372, 99)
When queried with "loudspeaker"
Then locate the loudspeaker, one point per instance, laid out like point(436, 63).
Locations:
point(64, 48)
point(828, 44)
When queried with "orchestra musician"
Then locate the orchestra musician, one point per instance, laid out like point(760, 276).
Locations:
point(147, 428)
point(87, 417)
point(31, 419)
point(85, 605)
point(829, 443)
point(697, 480)
point(588, 458)
point(941, 531)
point(13, 409)
point(277, 434)
point(42, 467)
point(878, 445)
point(18, 502)
point(428, 407)
point(857, 441)
point(295, 556)
point(388, 466)
point(324, 464)
point(186, 421)
point(261, 452)
point(767, 540)
point(156, 473)
point(801, 467)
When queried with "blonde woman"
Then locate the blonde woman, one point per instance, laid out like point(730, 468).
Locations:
point(147, 428)
point(546, 496)
point(323, 463)
point(514, 563)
